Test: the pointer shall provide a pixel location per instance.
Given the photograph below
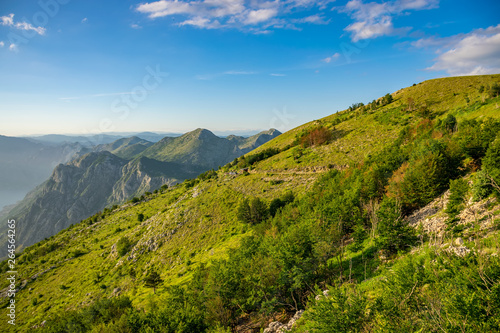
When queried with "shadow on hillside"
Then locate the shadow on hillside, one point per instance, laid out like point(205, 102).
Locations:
point(339, 134)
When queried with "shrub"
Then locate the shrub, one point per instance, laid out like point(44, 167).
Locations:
point(339, 312)
point(77, 253)
point(208, 175)
point(387, 99)
point(297, 153)
point(458, 190)
point(481, 187)
point(495, 90)
point(153, 280)
point(359, 235)
point(315, 137)
point(189, 183)
point(140, 217)
point(123, 246)
point(393, 232)
point(491, 164)
point(253, 211)
point(450, 123)
point(249, 160)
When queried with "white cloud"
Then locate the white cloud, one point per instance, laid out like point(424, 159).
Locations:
point(374, 19)
point(315, 19)
point(13, 47)
point(9, 21)
point(221, 8)
point(201, 22)
point(2, 44)
point(261, 15)
point(164, 8)
point(84, 20)
point(444, 43)
point(475, 53)
point(333, 57)
point(277, 74)
point(309, 3)
point(255, 16)
point(135, 26)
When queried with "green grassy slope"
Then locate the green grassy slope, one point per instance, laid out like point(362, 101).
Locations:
point(195, 222)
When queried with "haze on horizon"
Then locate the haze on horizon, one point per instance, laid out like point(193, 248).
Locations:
point(173, 66)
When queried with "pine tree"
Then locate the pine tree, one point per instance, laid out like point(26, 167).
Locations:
point(243, 212)
point(491, 164)
point(153, 280)
point(258, 210)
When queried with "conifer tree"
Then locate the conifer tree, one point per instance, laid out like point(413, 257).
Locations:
point(153, 280)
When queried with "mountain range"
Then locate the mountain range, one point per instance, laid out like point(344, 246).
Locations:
point(384, 217)
point(113, 173)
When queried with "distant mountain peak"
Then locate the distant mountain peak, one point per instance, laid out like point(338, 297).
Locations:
point(202, 133)
point(272, 131)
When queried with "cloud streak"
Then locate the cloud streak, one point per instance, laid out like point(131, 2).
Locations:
point(252, 16)
point(332, 58)
point(8, 20)
point(373, 19)
point(474, 53)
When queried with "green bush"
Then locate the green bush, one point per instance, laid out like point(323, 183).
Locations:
point(491, 164)
point(494, 90)
point(458, 191)
point(253, 212)
point(153, 280)
point(393, 232)
point(123, 246)
point(450, 123)
point(246, 161)
point(208, 175)
point(342, 311)
point(481, 187)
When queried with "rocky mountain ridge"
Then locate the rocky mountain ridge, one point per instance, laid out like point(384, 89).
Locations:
point(116, 172)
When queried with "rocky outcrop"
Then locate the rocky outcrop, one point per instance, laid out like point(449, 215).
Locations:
point(84, 187)
point(144, 174)
point(433, 218)
point(278, 327)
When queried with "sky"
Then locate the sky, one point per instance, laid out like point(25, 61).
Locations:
point(80, 67)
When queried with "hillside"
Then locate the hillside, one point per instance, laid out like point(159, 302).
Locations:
point(393, 207)
point(114, 173)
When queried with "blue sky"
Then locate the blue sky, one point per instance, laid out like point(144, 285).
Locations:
point(69, 66)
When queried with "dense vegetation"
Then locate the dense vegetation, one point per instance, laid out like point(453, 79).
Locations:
point(347, 233)
point(303, 244)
